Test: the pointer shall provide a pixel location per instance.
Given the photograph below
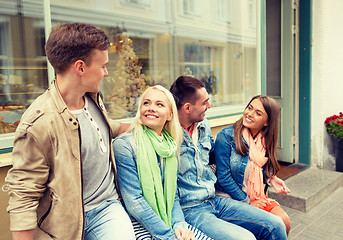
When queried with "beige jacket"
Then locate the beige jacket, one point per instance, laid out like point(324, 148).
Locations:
point(46, 178)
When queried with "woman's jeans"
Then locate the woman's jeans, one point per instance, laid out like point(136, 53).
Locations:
point(108, 221)
point(225, 218)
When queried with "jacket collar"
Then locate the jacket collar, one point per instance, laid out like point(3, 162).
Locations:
point(59, 102)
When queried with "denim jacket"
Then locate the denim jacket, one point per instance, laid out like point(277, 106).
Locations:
point(195, 178)
point(230, 165)
point(125, 152)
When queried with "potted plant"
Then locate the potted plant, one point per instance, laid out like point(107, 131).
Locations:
point(334, 127)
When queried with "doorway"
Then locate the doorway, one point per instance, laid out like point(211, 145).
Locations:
point(282, 71)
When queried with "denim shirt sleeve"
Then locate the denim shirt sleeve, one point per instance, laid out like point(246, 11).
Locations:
point(225, 178)
point(178, 219)
point(132, 194)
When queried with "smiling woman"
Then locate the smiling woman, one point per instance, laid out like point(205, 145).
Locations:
point(249, 147)
point(147, 163)
point(155, 110)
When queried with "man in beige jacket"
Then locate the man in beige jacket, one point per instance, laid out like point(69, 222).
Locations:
point(63, 180)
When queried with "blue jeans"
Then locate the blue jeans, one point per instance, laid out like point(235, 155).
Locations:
point(225, 218)
point(108, 221)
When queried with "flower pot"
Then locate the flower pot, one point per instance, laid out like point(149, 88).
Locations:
point(339, 155)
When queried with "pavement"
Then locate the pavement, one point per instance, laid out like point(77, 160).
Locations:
point(322, 222)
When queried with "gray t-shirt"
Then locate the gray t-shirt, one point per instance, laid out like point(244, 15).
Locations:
point(97, 169)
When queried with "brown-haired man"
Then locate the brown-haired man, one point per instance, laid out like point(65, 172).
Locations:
point(63, 180)
point(219, 218)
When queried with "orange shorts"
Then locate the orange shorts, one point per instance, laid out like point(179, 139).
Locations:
point(272, 204)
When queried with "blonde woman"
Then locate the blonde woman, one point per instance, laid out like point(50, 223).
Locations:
point(147, 163)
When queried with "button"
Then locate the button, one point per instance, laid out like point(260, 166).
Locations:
point(97, 129)
point(70, 119)
point(100, 139)
point(91, 119)
point(85, 109)
point(75, 123)
point(38, 111)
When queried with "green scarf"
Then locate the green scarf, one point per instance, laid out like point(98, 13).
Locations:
point(150, 144)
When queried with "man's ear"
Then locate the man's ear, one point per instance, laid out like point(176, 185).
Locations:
point(186, 107)
point(79, 67)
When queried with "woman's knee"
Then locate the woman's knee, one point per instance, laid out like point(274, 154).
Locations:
point(287, 221)
point(278, 211)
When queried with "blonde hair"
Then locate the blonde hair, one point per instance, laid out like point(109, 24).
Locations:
point(173, 126)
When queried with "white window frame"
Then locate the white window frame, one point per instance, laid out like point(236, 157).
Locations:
point(251, 13)
point(192, 10)
point(136, 3)
point(222, 11)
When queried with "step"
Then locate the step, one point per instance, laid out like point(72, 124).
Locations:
point(308, 188)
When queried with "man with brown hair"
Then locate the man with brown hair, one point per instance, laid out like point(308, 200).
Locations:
point(63, 180)
point(217, 217)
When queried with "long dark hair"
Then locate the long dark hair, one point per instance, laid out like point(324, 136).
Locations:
point(269, 132)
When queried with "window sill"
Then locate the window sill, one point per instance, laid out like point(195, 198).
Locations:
point(223, 121)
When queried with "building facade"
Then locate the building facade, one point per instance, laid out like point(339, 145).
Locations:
point(288, 49)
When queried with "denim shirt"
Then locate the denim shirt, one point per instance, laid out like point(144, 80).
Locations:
point(231, 166)
point(195, 178)
point(125, 152)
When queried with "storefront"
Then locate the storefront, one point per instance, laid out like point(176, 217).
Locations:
point(153, 42)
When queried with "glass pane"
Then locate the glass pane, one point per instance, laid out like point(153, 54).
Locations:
point(273, 13)
point(151, 44)
point(152, 48)
point(23, 68)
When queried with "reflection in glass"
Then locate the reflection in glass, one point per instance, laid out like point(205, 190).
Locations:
point(214, 41)
point(23, 70)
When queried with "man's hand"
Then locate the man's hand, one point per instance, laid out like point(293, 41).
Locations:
point(23, 235)
point(184, 234)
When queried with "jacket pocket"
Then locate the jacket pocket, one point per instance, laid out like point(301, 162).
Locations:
point(184, 162)
point(42, 221)
point(205, 151)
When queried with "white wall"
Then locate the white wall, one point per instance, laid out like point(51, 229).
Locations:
point(327, 76)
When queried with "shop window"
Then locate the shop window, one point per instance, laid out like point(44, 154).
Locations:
point(224, 56)
point(129, 73)
point(199, 61)
point(23, 67)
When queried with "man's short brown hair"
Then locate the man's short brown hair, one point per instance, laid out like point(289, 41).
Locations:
point(68, 43)
point(184, 90)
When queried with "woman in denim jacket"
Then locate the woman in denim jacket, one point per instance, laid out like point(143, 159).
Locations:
point(146, 158)
point(246, 154)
